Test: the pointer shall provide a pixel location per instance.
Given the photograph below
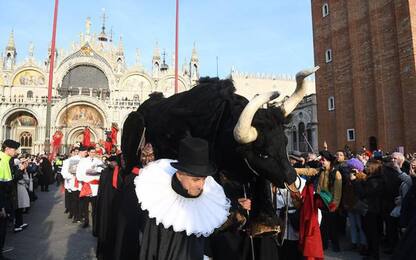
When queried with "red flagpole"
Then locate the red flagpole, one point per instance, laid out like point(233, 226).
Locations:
point(176, 46)
point(55, 16)
point(51, 65)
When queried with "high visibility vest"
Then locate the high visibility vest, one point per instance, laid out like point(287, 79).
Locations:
point(5, 171)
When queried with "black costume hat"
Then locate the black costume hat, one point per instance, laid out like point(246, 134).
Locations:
point(83, 148)
point(194, 157)
point(296, 155)
point(11, 144)
point(327, 155)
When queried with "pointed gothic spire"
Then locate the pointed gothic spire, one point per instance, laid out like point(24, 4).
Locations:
point(11, 45)
point(138, 57)
point(103, 37)
point(194, 57)
point(120, 44)
point(164, 66)
point(88, 26)
point(31, 49)
point(111, 34)
point(156, 51)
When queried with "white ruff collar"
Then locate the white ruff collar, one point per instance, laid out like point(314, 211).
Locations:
point(199, 216)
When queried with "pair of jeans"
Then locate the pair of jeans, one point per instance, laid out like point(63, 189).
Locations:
point(356, 229)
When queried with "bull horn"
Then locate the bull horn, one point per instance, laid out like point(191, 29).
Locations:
point(243, 131)
point(290, 104)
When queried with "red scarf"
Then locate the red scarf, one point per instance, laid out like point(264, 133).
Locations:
point(86, 188)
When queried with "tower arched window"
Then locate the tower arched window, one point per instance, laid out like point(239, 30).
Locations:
point(331, 103)
point(328, 55)
point(29, 94)
point(325, 10)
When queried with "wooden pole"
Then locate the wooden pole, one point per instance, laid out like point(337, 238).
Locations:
point(51, 66)
point(176, 46)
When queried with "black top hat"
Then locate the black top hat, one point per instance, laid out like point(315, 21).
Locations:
point(11, 144)
point(194, 157)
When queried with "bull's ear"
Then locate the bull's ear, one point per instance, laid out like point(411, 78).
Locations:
point(133, 129)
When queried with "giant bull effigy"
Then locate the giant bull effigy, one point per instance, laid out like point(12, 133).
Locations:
point(246, 138)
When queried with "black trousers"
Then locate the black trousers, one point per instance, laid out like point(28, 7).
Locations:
point(18, 218)
point(290, 250)
point(85, 202)
point(67, 198)
point(392, 230)
point(330, 229)
point(75, 205)
point(44, 187)
point(372, 232)
point(3, 231)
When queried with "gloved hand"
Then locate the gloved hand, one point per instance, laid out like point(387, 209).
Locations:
point(332, 207)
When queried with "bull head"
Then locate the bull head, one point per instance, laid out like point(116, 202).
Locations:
point(262, 132)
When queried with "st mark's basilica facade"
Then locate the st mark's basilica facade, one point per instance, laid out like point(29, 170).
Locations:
point(93, 86)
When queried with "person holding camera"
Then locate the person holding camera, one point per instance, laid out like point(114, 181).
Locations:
point(23, 200)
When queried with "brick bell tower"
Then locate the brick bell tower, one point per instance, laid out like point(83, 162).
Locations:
point(366, 87)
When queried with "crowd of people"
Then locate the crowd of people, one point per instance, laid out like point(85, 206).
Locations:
point(143, 211)
point(20, 178)
point(370, 195)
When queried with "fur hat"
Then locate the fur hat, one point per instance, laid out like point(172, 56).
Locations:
point(354, 163)
point(11, 144)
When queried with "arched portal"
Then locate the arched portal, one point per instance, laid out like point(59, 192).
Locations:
point(22, 127)
point(77, 135)
point(72, 121)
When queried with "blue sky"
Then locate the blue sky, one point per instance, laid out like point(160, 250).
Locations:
point(268, 36)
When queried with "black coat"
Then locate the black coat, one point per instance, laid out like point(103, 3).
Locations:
point(406, 248)
point(371, 192)
point(46, 172)
point(408, 210)
point(108, 202)
point(391, 189)
point(130, 222)
point(160, 243)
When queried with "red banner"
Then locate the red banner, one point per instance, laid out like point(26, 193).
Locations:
point(56, 144)
point(114, 131)
point(86, 141)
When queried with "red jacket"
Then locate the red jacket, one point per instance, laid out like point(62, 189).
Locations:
point(309, 233)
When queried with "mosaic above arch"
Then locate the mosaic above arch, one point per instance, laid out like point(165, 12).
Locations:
point(29, 77)
point(81, 115)
point(22, 120)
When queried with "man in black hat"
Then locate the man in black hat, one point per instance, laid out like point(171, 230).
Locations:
point(182, 202)
point(8, 151)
